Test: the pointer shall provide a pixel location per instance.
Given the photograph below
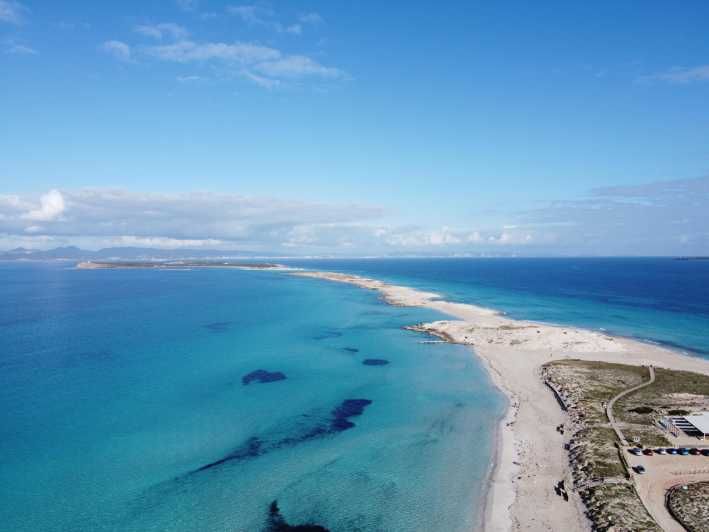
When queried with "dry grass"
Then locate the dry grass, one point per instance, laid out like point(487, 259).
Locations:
point(672, 391)
point(592, 384)
point(617, 507)
point(586, 388)
point(690, 506)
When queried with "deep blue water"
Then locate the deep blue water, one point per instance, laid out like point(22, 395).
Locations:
point(133, 400)
point(659, 299)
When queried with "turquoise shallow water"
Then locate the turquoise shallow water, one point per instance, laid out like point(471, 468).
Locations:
point(664, 300)
point(124, 408)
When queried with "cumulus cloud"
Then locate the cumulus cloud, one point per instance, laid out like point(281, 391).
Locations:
point(162, 30)
point(117, 49)
point(51, 206)
point(12, 12)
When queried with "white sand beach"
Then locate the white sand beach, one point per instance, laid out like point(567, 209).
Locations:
point(530, 457)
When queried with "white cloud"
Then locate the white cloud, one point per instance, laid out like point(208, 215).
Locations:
point(12, 12)
point(623, 220)
point(263, 65)
point(295, 66)
point(188, 51)
point(164, 242)
point(106, 217)
point(311, 18)
point(251, 14)
point(21, 49)
point(104, 214)
point(162, 30)
point(646, 219)
point(51, 206)
point(11, 202)
point(117, 49)
point(187, 5)
point(682, 75)
point(256, 15)
point(261, 81)
point(295, 29)
point(190, 79)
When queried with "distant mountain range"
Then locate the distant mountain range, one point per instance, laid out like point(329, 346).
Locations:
point(119, 253)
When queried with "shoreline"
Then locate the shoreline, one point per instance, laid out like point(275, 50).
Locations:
point(528, 456)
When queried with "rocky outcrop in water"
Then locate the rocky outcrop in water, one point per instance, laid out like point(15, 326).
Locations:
point(375, 362)
point(263, 376)
point(338, 421)
point(276, 522)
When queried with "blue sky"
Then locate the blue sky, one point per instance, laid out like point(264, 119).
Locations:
point(356, 127)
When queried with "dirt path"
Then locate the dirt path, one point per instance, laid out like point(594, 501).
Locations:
point(611, 403)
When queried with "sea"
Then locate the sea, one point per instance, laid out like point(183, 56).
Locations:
point(234, 400)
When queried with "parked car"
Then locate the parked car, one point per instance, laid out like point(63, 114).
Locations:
point(694, 451)
point(640, 470)
point(636, 451)
point(705, 452)
point(660, 451)
point(683, 451)
point(647, 452)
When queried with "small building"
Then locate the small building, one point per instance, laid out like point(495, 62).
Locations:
point(692, 425)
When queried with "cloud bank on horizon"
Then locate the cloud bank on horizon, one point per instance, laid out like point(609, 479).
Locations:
point(676, 222)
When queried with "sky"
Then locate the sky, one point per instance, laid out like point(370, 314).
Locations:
point(356, 128)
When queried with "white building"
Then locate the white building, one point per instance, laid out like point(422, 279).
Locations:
point(692, 425)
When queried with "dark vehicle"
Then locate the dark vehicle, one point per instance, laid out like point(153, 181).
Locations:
point(647, 452)
point(640, 470)
point(705, 452)
point(671, 450)
point(694, 451)
point(660, 451)
point(636, 451)
point(683, 451)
